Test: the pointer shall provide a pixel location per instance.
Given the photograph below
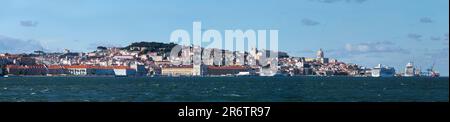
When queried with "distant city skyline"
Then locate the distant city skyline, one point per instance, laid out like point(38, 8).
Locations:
point(365, 32)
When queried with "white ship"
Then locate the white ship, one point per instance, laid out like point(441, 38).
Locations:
point(383, 71)
point(410, 71)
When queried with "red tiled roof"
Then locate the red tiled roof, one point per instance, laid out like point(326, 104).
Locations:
point(9, 56)
point(15, 66)
point(95, 67)
point(25, 67)
point(78, 66)
point(54, 67)
point(36, 66)
point(119, 67)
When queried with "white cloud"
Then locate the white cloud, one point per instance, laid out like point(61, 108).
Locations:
point(373, 47)
point(415, 36)
point(29, 23)
point(426, 20)
point(309, 22)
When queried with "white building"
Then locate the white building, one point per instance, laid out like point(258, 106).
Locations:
point(157, 58)
point(79, 70)
point(124, 72)
point(320, 53)
point(123, 57)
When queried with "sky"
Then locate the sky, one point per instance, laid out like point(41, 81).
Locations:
point(364, 32)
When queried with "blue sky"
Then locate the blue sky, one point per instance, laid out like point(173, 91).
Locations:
point(366, 32)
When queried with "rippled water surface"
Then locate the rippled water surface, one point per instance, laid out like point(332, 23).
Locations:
point(223, 89)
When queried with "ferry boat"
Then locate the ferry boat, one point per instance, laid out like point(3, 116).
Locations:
point(383, 71)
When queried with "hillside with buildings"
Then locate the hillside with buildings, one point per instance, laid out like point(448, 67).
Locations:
point(153, 59)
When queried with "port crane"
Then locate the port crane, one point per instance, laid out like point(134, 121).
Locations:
point(432, 72)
